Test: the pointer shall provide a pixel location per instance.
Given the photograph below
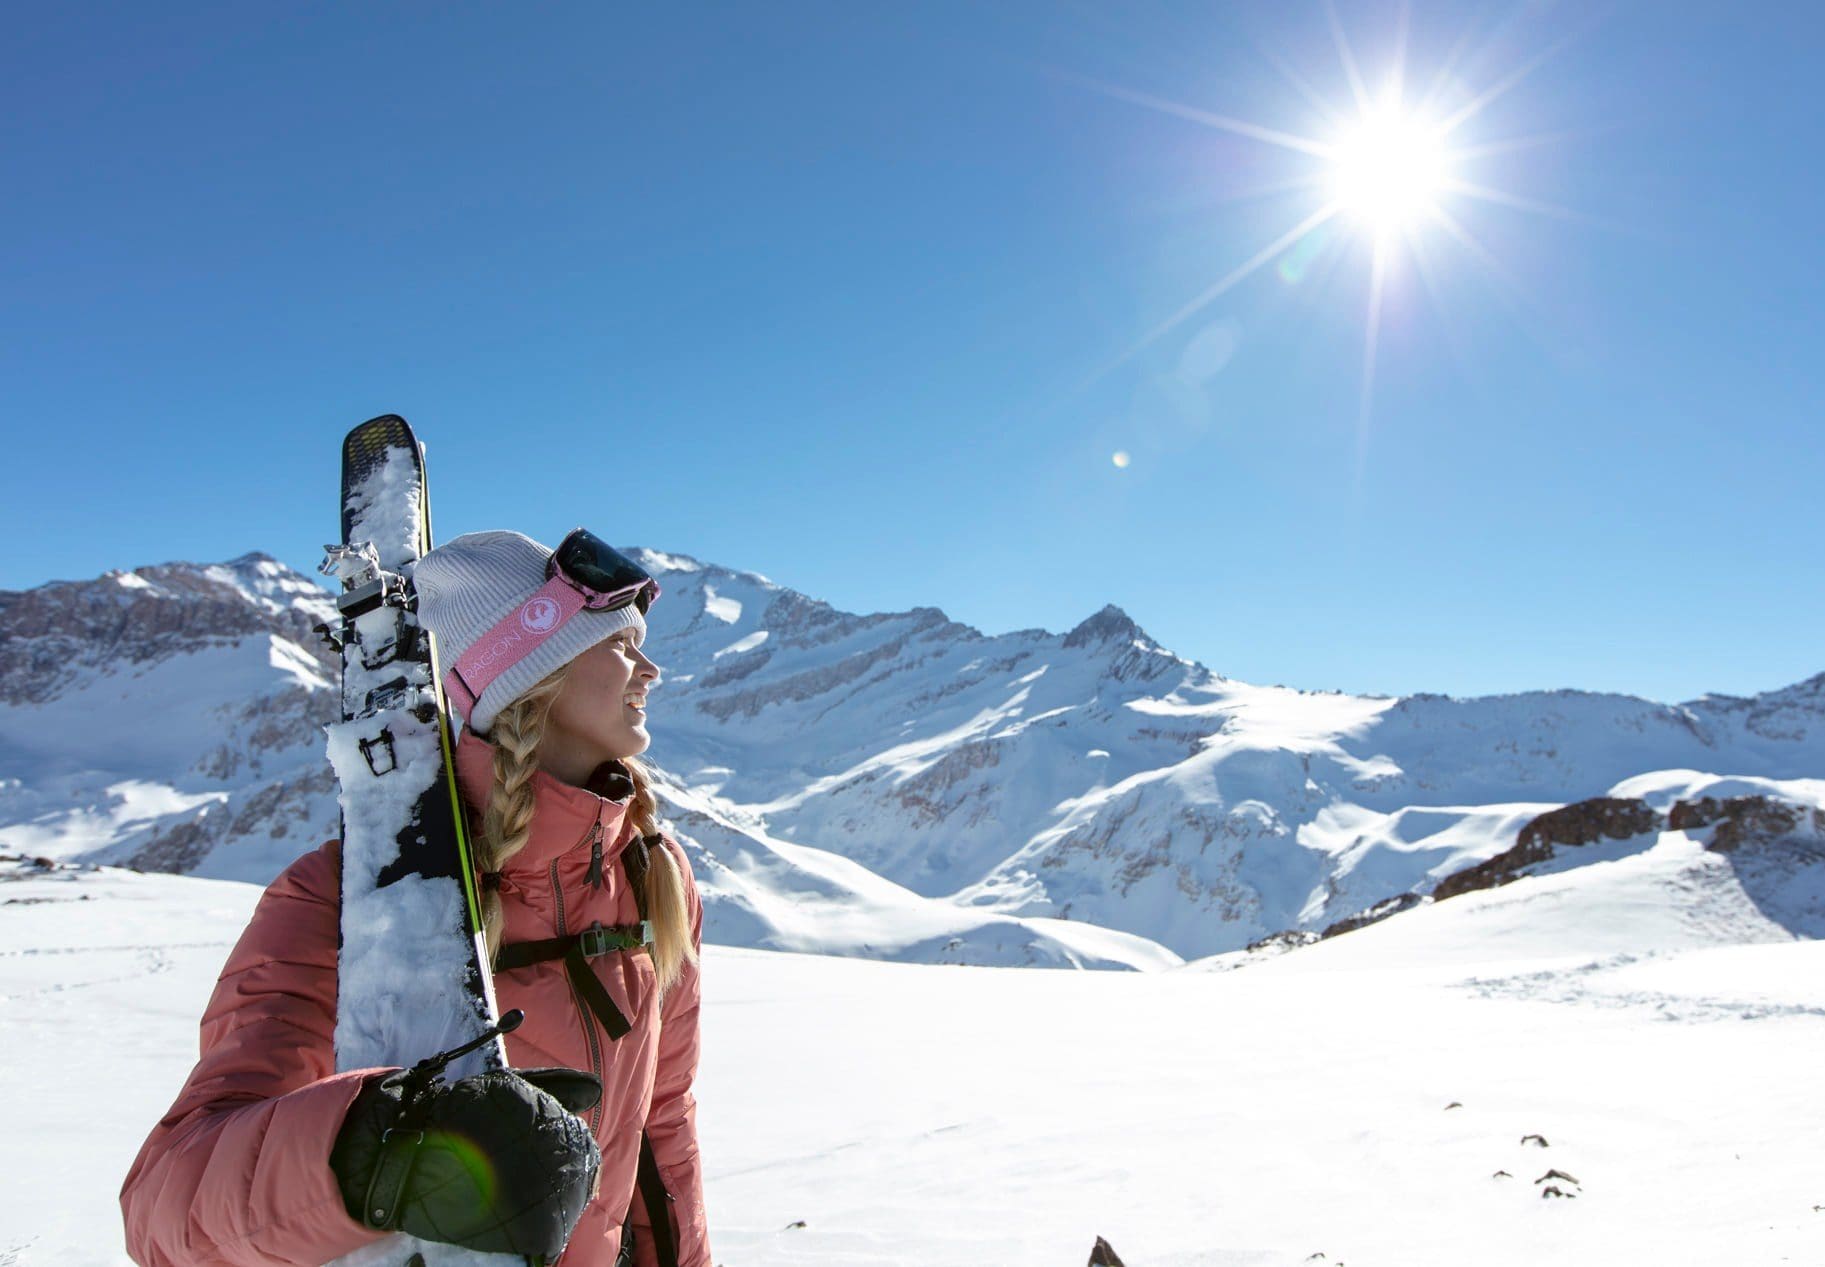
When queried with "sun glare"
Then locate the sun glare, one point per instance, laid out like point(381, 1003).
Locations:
point(1396, 170)
point(1388, 169)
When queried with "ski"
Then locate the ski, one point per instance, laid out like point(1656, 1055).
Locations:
point(412, 972)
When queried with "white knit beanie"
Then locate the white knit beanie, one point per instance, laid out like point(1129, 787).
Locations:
point(470, 583)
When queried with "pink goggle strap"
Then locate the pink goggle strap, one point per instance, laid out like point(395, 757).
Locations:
point(617, 597)
point(514, 638)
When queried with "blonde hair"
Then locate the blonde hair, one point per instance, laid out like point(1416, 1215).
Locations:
point(506, 825)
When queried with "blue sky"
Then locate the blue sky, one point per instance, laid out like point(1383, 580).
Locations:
point(856, 296)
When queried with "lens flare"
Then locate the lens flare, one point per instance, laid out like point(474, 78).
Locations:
point(1293, 265)
point(448, 1154)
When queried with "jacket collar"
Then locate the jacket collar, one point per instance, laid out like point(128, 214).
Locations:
point(563, 817)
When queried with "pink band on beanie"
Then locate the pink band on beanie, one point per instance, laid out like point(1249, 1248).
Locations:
point(511, 640)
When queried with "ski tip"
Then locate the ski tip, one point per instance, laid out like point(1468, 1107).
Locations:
point(366, 447)
point(381, 432)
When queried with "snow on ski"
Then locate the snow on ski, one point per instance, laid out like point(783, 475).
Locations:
point(412, 976)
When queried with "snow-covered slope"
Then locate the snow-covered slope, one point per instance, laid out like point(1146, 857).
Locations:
point(1401, 1094)
point(1662, 892)
point(771, 894)
point(895, 785)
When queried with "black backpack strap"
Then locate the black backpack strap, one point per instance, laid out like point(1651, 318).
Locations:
point(598, 939)
point(590, 988)
point(591, 943)
point(576, 952)
point(658, 1205)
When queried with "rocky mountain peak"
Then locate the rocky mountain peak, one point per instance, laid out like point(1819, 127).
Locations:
point(1111, 624)
point(50, 634)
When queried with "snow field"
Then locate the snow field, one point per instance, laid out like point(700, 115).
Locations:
point(932, 1115)
point(959, 1116)
point(100, 1000)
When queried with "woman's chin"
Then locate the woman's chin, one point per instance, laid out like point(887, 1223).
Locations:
point(612, 744)
point(638, 741)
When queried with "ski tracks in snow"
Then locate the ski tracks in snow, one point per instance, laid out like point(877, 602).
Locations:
point(871, 1141)
point(141, 962)
point(1590, 985)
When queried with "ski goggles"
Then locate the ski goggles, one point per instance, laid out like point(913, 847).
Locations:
point(584, 573)
point(605, 577)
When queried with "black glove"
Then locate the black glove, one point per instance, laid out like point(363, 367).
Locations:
point(497, 1161)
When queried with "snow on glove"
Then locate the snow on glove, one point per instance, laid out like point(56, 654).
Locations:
point(497, 1161)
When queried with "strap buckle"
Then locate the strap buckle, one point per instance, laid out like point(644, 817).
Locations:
point(597, 940)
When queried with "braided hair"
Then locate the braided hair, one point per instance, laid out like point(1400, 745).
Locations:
point(506, 825)
point(665, 902)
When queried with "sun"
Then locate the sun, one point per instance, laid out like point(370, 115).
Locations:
point(1394, 160)
point(1388, 169)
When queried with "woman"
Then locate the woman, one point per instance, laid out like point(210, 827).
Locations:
point(270, 1156)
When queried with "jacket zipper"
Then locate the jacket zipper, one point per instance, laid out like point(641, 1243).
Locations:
point(594, 875)
point(584, 1019)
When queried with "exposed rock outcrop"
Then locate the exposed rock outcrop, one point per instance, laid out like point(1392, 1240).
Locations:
point(1111, 624)
point(1569, 826)
point(1746, 820)
point(1374, 915)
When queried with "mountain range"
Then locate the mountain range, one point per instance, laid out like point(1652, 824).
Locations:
point(903, 786)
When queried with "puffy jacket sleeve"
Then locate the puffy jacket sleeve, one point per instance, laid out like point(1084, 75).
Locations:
point(237, 1172)
point(671, 1123)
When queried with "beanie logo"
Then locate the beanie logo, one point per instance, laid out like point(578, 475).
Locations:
point(539, 616)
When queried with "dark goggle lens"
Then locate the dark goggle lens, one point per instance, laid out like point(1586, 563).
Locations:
point(591, 562)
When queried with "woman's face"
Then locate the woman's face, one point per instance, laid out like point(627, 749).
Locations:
point(600, 714)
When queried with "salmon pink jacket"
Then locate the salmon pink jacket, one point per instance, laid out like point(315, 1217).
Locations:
point(237, 1172)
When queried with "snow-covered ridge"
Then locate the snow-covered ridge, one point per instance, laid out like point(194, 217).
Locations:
point(168, 717)
point(1096, 776)
point(56, 630)
point(893, 784)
